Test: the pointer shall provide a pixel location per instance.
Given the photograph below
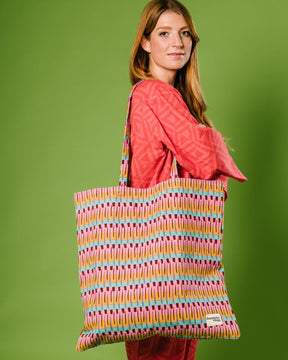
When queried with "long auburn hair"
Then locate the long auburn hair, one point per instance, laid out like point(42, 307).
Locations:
point(187, 79)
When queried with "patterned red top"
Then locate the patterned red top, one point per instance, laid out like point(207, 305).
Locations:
point(162, 125)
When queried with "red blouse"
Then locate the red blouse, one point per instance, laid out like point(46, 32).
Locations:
point(162, 126)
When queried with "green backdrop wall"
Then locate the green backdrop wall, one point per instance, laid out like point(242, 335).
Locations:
point(64, 90)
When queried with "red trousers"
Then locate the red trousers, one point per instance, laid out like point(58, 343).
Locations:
point(161, 348)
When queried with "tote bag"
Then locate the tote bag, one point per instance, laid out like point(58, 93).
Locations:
point(150, 260)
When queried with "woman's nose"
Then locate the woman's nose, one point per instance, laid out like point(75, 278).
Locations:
point(177, 40)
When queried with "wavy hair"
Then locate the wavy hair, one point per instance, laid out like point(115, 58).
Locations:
point(187, 78)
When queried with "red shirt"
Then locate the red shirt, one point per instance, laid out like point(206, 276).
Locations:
point(162, 126)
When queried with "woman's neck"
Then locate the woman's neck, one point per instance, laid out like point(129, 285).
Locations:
point(165, 76)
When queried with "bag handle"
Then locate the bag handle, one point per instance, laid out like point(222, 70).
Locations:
point(125, 161)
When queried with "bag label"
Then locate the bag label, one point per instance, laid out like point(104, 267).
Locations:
point(213, 319)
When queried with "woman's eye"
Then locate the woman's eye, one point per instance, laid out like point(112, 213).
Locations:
point(163, 33)
point(186, 33)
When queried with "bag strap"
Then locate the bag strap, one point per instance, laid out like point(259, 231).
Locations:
point(125, 161)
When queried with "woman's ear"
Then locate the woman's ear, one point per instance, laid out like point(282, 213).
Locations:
point(145, 43)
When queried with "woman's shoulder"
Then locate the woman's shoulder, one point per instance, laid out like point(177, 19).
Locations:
point(149, 89)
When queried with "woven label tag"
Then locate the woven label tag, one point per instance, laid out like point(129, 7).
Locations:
point(214, 319)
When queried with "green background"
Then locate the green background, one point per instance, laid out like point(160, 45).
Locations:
point(64, 88)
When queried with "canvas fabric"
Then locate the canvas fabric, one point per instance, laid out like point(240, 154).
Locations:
point(150, 259)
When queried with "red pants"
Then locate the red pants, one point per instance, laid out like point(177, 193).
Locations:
point(161, 348)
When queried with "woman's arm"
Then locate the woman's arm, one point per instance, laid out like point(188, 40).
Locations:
point(200, 150)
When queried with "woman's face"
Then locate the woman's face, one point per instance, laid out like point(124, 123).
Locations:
point(169, 46)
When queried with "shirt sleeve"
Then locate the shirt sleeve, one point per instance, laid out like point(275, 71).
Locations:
point(200, 150)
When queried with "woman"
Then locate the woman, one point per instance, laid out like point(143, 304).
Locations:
point(168, 119)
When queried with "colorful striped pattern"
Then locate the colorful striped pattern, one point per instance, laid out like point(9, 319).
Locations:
point(150, 259)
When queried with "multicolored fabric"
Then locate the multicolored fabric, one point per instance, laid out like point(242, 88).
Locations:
point(150, 260)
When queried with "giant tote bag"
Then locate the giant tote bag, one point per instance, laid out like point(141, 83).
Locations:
point(150, 259)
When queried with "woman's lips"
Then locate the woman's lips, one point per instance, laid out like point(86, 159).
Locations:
point(176, 54)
